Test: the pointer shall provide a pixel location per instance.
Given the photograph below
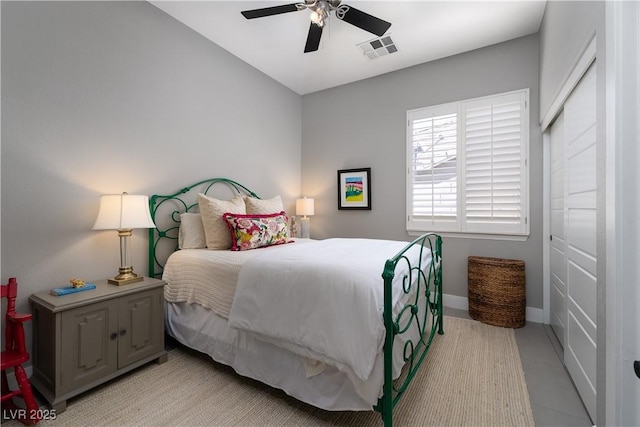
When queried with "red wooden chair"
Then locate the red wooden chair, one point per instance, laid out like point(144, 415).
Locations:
point(14, 355)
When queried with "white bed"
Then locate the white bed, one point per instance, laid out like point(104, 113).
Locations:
point(199, 294)
point(331, 322)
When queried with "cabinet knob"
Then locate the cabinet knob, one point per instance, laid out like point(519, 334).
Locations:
point(123, 332)
point(114, 335)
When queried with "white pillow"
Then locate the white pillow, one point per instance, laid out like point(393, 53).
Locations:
point(215, 229)
point(263, 206)
point(266, 207)
point(191, 232)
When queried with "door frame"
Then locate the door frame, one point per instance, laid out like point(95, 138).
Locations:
point(622, 180)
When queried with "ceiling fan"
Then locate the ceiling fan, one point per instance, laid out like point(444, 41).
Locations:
point(320, 10)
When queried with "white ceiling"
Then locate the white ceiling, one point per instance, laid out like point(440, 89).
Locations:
point(422, 30)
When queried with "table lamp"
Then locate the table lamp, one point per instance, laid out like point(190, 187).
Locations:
point(124, 212)
point(304, 207)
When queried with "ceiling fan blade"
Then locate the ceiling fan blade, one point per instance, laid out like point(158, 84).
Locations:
point(269, 11)
point(362, 20)
point(313, 38)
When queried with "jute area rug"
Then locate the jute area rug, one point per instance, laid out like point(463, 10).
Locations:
point(471, 377)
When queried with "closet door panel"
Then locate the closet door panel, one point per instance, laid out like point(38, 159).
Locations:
point(580, 359)
point(558, 264)
point(581, 230)
point(582, 222)
point(582, 164)
point(584, 295)
point(583, 107)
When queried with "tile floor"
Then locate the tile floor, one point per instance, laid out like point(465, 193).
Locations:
point(554, 399)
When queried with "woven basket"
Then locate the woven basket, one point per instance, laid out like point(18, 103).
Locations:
point(497, 293)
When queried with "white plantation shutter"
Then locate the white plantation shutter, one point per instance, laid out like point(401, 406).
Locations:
point(467, 167)
point(434, 158)
point(494, 169)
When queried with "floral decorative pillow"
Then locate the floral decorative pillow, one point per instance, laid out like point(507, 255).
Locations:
point(257, 231)
point(266, 206)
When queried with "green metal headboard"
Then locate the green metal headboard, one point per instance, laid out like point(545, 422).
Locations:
point(166, 210)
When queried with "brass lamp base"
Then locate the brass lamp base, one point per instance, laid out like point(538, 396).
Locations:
point(126, 277)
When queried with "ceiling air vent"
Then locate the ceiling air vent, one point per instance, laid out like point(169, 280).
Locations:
point(378, 47)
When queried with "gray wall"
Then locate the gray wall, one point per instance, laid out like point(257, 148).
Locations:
point(362, 124)
point(105, 97)
point(566, 30)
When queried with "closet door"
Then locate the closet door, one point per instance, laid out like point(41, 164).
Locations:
point(580, 216)
point(558, 260)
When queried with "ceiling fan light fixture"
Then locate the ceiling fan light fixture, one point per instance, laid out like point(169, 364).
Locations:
point(319, 13)
point(317, 18)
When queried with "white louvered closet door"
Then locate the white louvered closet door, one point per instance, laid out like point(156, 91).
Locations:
point(580, 219)
point(558, 257)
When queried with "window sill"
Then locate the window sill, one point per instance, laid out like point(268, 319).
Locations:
point(507, 237)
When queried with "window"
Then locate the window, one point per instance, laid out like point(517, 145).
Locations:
point(467, 166)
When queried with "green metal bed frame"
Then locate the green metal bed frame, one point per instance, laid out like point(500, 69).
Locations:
point(420, 281)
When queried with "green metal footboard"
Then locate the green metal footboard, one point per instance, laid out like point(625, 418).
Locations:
point(420, 281)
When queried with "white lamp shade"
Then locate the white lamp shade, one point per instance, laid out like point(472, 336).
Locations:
point(304, 206)
point(123, 212)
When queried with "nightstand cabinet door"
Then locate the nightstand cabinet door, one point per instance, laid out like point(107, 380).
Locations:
point(139, 335)
point(89, 344)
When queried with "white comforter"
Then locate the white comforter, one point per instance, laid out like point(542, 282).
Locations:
point(323, 300)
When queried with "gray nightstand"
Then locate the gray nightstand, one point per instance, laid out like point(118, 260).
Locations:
point(83, 339)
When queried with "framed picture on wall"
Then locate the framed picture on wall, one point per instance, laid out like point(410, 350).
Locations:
point(354, 189)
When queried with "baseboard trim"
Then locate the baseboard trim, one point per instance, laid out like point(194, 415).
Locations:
point(454, 301)
point(532, 314)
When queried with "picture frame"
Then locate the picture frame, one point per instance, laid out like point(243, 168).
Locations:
point(354, 189)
